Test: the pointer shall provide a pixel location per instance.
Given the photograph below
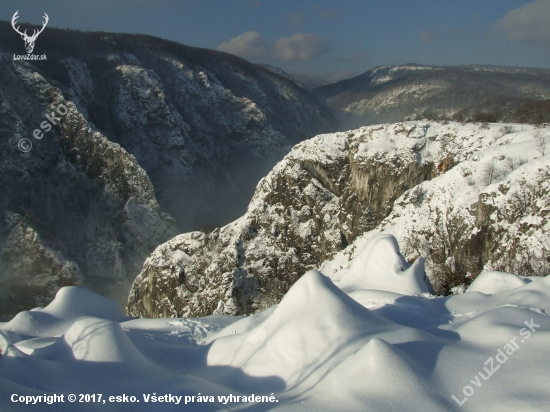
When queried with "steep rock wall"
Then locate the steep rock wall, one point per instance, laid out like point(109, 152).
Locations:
point(79, 211)
point(325, 193)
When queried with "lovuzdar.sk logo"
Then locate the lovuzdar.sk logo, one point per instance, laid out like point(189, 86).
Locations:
point(29, 40)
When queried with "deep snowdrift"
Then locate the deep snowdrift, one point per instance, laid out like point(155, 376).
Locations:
point(362, 346)
point(374, 268)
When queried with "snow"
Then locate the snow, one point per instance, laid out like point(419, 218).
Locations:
point(71, 303)
point(374, 339)
point(494, 281)
point(294, 346)
point(384, 271)
point(339, 184)
point(454, 196)
point(394, 98)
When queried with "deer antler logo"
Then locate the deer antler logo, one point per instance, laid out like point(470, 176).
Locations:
point(29, 40)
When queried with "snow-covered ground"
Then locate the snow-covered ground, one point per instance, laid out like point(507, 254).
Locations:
point(374, 339)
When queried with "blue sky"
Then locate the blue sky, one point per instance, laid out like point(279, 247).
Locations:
point(327, 38)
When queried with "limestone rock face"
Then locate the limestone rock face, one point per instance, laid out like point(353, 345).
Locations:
point(153, 137)
point(327, 193)
point(77, 210)
point(487, 213)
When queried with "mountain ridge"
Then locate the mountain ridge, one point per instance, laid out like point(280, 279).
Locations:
point(155, 137)
point(412, 92)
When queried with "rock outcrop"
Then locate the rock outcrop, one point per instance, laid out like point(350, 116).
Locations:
point(79, 211)
point(324, 195)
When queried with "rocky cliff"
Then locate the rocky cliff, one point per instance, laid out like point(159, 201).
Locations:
point(331, 190)
point(77, 210)
point(124, 130)
point(489, 212)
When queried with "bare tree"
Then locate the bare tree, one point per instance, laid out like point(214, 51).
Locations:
point(490, 172)
point(511, 164)
point(438, 245)
point(503, 131)
point(417, 195)
point(541, 143)
point(532, 260)
point(523, 200)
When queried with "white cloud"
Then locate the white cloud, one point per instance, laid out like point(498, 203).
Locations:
point(248, 44)
point(298, 47)
point(530, 22)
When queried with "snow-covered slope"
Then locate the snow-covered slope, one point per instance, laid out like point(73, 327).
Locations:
point(320, 349)
point(465, 197)
point(393, 93)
